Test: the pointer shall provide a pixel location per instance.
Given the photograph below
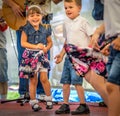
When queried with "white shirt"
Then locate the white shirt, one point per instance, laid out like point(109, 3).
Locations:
point(77, 31)
point(112, 17)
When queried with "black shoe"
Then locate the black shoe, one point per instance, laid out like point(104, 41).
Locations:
point(36, 107)
point(64, 109)
point(82, 109)
point(49, 105)
point(102, 104)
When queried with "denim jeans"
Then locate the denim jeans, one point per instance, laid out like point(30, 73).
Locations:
point(69, 75)
point(113, 66)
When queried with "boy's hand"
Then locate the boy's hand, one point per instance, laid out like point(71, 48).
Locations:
point(58, 58)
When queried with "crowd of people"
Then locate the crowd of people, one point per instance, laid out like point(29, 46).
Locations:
point(33, 52)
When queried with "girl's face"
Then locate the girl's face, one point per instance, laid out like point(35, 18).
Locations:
point(34, 19)
point(71, 9)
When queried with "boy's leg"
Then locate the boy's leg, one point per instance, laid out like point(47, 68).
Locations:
point(66, 81)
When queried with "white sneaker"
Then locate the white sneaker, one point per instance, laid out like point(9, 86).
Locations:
point(41, 97)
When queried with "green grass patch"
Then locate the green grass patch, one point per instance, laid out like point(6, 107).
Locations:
point(12, 95)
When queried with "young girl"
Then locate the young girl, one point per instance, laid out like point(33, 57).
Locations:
point(36, 39)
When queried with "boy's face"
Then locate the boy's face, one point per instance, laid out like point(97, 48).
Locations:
point(71, 9)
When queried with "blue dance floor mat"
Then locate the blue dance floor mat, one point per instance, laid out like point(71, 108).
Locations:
point(57, 93)
point(90, 96)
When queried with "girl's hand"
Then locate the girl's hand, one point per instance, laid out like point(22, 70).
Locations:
point(45, 50)
point(40, 46)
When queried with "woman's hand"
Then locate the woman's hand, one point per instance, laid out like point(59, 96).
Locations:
point(116, 44)
point(94, 42)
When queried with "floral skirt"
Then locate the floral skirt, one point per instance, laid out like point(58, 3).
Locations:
point(31, 62)
point(85, 59)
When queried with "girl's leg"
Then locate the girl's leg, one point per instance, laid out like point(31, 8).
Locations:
point(47, 88)
point(98, 83)
point(33, 86)
point(45, 82)
point(32, 90)
point(113, 99)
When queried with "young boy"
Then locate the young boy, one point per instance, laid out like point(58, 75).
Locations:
point(77, 31)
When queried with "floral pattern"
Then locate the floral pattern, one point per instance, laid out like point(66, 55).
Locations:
point(31, 62)
point(84, 59)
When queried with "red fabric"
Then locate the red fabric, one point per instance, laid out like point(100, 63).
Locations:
point(3, 28)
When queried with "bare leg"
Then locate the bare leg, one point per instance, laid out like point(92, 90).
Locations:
point(113, 99)
point(80, 91)
point(99, 84)
point(45, 83)
point(66, 93)
point(32, 87)
point(3, 90)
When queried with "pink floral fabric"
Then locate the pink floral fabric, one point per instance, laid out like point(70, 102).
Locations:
point(85, 59)
point(31, 62)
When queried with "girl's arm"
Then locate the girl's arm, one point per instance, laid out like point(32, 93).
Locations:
point(49, 44)
point(28, 45)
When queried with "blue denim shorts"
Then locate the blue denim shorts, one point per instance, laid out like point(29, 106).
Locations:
point(69, 75)
point(113, 66)
point(3, 65)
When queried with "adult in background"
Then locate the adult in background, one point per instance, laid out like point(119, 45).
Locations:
point(3, 59)
point(111, 27)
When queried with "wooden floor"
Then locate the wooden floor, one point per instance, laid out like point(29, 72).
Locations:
point(15, 109)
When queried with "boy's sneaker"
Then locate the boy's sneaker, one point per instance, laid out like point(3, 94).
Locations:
point(64, 109)
point(81, 109)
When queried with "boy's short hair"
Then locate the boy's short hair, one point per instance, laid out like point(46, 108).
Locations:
point(78, 2)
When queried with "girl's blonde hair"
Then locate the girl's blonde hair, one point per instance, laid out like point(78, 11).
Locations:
point(33, 9)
